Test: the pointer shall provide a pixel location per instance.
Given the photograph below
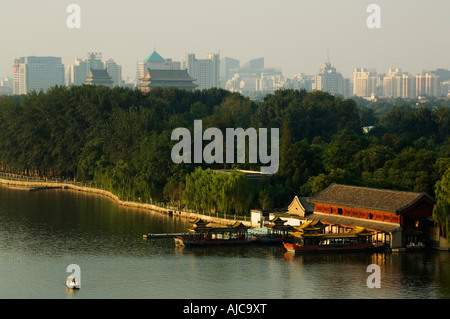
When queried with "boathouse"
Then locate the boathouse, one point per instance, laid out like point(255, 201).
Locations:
point(400, 219)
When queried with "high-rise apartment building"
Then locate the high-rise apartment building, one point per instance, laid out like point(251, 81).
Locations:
point(428, 84)
point(329, 80)
point(393, 83)
point(365, 82)
point(401, 84)
point(205, 71)
point(408, 86)
point(37, 73)
point(80, 70)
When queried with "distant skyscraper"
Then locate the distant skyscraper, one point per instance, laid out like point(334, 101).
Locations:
point(6, 86)
point(255, 64)
point(331, 81)
point(79, 71)
point(227, 65)
point(37, 73)
point(205, 71)
point(115, 71)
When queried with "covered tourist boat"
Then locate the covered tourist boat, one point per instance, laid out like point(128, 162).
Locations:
point(276, 233)
point(202, 235)
point(310, 237)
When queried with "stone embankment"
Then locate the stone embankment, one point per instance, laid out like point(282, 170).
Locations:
point(41, 185)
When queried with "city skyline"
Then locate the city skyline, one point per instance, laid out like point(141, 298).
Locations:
point(296, 37)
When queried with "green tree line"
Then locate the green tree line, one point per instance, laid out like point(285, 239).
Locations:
point(121, 138)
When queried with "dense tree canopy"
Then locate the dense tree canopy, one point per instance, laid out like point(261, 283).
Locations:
point(121, 138)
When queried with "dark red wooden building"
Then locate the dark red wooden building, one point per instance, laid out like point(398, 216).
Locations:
point(402, 219)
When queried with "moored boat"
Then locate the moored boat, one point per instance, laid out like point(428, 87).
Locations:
point(276, 233)
point(202, 235)
point(310, 238)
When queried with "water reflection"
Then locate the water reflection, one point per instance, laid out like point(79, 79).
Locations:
point(41, 233)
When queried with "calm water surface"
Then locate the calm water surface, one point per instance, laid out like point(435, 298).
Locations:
point(43, 232)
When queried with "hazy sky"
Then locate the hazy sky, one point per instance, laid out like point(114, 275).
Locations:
point(293, 35)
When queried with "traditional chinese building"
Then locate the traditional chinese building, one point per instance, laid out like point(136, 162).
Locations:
point(400, 219)
point(99, 77)
point(179, 79)
point(300, 206)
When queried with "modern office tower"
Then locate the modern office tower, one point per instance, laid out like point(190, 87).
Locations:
point(115, 71)
point(443, 74)
point(255, 64)
point(205, 71)
point(79, 71)
point(228, 66)
point(6, 86)
point(365, 82)
point(37, 73)
point(329, 80)
point(154, 62)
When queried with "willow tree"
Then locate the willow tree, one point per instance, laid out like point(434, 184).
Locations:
point(441, 210)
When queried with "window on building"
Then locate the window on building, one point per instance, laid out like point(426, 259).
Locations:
point(339, 211)
point(370, 216)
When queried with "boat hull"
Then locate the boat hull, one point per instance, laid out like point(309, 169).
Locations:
point(296, 248)
point(186, 241)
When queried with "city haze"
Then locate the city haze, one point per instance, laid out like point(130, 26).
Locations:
point(294, 36)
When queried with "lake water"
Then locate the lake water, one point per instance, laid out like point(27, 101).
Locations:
point(43, 232)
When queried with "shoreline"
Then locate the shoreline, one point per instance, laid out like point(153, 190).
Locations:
point(36, 186)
